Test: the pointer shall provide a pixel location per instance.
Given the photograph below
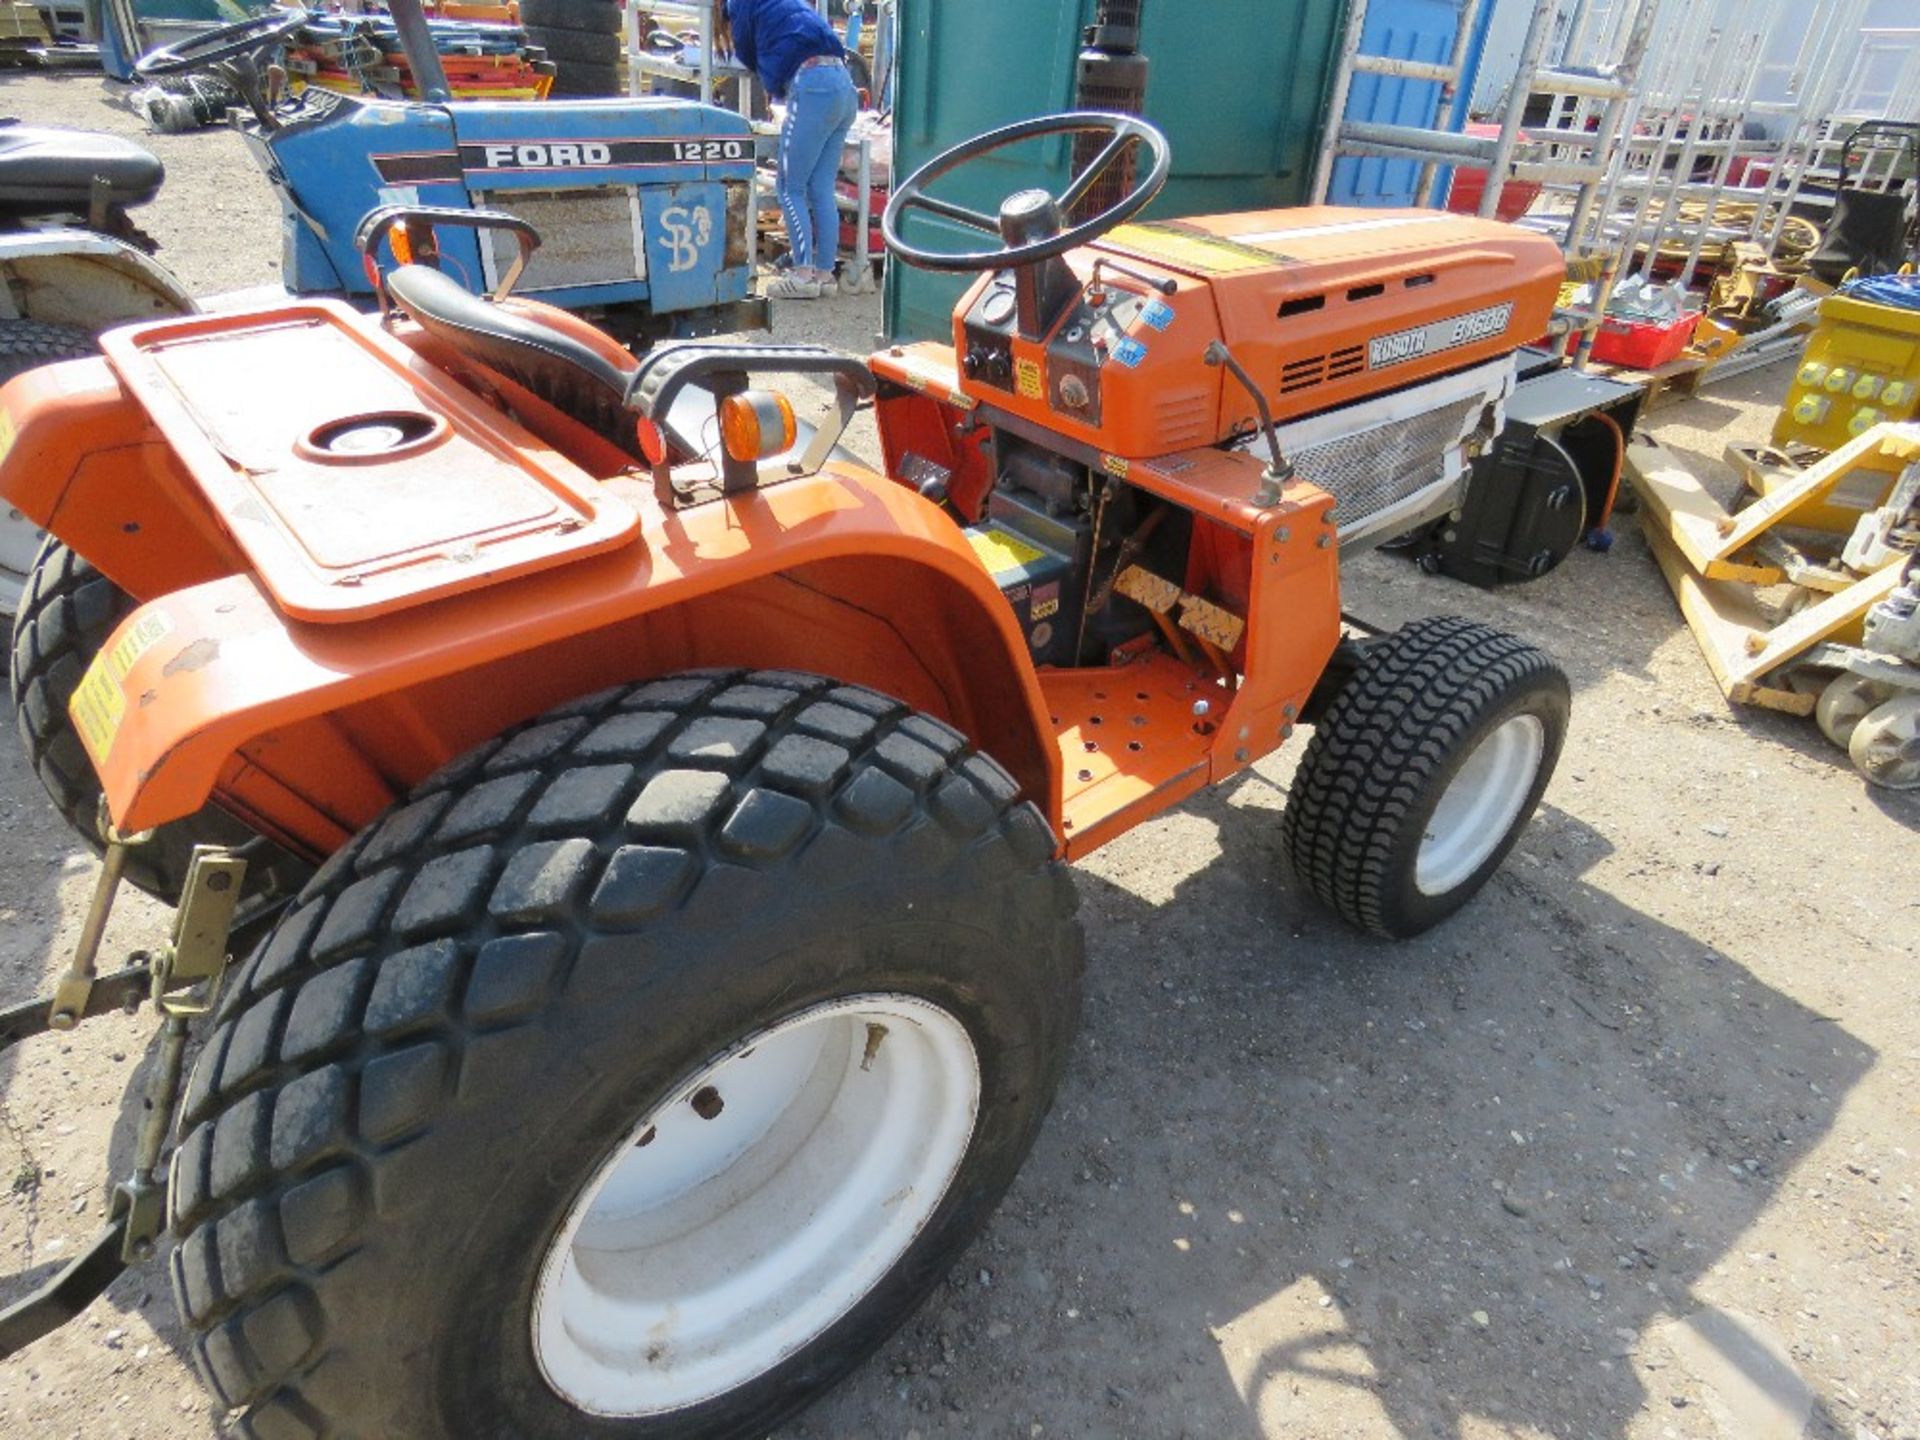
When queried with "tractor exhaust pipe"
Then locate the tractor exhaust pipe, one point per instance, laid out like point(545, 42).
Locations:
point(1111, 76)
point(416, 41)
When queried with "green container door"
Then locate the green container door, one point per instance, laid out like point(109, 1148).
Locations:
point(1239, 87)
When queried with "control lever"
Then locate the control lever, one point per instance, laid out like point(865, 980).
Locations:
point(1164, 286)
point(1281, 470)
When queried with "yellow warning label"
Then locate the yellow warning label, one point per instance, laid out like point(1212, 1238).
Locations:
point(6, 433)
point(1001, 552)
point(1026, 379)
point(99, 704)
point(1114, 466)
point(1191, 252)
point(98, 707)
point(147, 631)
point(1045, 609)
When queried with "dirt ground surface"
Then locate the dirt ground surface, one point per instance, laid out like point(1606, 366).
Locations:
point(1625, 1151)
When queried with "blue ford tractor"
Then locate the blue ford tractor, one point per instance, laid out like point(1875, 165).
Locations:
point(644, 205)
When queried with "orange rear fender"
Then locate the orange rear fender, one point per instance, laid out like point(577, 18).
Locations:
point(80, 457)
point(310, 729)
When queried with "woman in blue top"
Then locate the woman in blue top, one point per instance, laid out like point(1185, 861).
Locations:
point(800, 60)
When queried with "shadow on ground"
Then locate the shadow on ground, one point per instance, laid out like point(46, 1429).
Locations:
point(1295, 1175)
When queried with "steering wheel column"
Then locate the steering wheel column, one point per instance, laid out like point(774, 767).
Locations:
point(1031, 227)
point(1043, 289)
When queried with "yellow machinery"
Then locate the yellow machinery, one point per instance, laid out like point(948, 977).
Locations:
point(1808, 599)
point(1861, 367)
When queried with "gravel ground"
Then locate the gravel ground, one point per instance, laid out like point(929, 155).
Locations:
point(1624, 1150)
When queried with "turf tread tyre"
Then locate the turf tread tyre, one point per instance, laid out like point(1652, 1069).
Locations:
point(68, 612)
point(597, 17)
point(568, 48)
point(1378, 761)
point(25, 344)
point(457, 926)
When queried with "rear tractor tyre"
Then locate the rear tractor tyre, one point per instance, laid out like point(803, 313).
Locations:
point(637, 1077)
point(1422, 773)
point(25, 345)
point(68, 613)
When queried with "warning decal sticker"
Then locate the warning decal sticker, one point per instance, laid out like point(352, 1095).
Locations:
point(99, 704)
point(1001, 552)
point(1172, 244)
point(98, 707)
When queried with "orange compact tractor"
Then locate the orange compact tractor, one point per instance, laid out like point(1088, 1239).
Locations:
point(663, 820)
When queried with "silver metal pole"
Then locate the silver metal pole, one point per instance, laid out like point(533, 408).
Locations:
point(1337, 102)
point(1516, 104)
point(1425, 192)
point(1837, 38)
point(1758, 38)
point(1671, 106)
point(1605, 154)
point(706, 54)
point(1722, 56)
point(863, 216)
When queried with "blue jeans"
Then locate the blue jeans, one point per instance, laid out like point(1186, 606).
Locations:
point(821, 106)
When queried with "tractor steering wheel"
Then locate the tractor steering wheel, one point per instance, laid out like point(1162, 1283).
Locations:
point(1030, 222)
point(244, 39)
point(237, 53)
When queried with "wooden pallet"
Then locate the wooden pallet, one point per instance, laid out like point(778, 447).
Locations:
point(1676, 380)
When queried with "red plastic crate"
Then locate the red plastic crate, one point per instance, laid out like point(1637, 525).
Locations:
point(1640, 345)
point(1516, 197)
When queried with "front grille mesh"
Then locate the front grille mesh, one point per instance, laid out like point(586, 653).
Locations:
point(586, 237)
point(1372, 470)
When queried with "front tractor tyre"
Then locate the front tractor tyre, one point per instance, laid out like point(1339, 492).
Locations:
point(1423, 772)
point(636, 1077)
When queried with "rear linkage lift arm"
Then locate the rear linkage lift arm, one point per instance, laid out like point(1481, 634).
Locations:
point(183, 980)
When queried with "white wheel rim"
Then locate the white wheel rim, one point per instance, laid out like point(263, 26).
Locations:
point(1480, 804)
point(1847, 700)
point(706, 1251)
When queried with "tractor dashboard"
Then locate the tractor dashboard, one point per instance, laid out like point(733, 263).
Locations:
point(1324, 306)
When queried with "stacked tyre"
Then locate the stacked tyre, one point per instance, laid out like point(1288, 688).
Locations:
point(583, 40)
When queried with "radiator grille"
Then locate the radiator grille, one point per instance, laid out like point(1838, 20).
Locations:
point(587, 237)
point(1368, 471)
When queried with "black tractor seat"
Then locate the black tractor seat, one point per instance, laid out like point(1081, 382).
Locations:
point(46, 171)
point(556, 367)
point(571, 377)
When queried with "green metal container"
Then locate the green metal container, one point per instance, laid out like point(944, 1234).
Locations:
point(1239, 87)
